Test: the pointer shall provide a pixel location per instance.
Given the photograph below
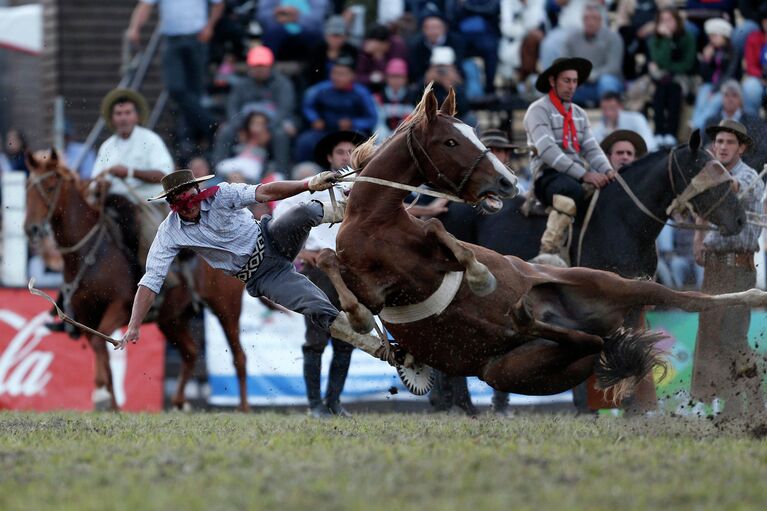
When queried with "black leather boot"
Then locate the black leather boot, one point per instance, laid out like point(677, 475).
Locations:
point(312, 372)
point(339, 368)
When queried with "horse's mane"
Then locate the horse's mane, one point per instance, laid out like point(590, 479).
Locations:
point(365, 152)
point(650, 159)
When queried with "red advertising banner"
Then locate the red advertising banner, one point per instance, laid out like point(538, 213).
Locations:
point(40, 370)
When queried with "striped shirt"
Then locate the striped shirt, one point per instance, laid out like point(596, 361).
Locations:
point(225, 236)
point(544, 126)
point(748, 239)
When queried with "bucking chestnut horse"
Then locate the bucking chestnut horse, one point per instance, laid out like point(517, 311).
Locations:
point(466, 310)
point(103, 278)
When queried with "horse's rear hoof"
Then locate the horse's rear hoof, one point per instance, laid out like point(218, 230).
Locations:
point(102, 400)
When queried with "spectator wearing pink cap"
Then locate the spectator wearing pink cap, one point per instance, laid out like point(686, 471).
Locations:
point(378, 49)
point(396, 100)
point(267, 90)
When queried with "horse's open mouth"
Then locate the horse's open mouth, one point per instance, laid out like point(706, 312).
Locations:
point(490, 203)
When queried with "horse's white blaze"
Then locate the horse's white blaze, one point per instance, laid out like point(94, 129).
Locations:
point(468, 132)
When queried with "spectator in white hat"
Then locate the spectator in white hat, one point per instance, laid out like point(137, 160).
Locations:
point(717, 63)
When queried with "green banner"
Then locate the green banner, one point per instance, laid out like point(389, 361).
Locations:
point(681, 329)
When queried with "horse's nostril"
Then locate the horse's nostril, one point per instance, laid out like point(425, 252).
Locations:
point(505, 183)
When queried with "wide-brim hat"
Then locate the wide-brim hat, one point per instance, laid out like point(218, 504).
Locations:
point(327, 143)
point(640, 146)
point(733, 127)
point(582, 66)
point(177, 180)
point(142, 107)
point(496, 138)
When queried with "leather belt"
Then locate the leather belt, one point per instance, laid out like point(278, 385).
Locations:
point(732, 259)
point(250, 268)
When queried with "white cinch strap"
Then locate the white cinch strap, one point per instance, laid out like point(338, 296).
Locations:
point(432, 306)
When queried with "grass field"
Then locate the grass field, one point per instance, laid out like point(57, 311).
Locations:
point(379, 462)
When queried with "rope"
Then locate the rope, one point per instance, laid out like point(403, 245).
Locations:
point(586, 221)
point(401, 186)
point(80, 244)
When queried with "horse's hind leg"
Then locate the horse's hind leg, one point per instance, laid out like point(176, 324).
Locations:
point(360, 317)
point(174, 325)
point(227, 305)
point(539, 368)
point(480, 280)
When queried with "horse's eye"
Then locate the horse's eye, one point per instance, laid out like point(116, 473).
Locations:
point(451, 143)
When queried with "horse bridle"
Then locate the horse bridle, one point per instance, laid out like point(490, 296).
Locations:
point(686, 202)
point(50, 202)
point(457, 189)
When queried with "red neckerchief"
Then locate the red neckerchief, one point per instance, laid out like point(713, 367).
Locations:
point(187, 203)
point(569, 127)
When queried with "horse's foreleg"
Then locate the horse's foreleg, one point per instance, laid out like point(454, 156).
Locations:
point(174, 325)
point(478, 276)
point(524, 323)
point(360, 317)
point(103, 395)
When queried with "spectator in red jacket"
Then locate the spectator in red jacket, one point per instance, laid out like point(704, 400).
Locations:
point(755, 57)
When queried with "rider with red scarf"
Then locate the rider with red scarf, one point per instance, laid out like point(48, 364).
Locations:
point(560, 135)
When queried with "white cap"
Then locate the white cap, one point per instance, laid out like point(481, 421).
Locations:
point(718, 26)
point(442, 56)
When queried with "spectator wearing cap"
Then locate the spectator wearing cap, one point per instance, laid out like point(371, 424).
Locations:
point(324, 55)
point(717, 63)
point(187, 28)
point(434, 33)
point(396, 100)
point(444, 73)
point(336, 104)
point(604, 48)
point(732, 110)
point(291, 26)
point(755, 58)
point(379, 47)
point(614, 117)
point(269, 91)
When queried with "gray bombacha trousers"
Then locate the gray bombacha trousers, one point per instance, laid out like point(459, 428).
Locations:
point(277, 279)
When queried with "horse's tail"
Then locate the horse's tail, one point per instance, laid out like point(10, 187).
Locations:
point(627, 357)
point(363, 153)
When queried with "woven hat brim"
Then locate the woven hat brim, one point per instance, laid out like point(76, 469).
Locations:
point(142, 107)
point(182, 185)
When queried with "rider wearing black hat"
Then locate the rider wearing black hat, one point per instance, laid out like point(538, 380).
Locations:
point(560, 134)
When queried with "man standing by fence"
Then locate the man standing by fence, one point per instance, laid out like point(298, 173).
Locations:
point(724, 365)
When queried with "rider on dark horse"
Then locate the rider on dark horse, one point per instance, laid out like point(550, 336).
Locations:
point(560, 134)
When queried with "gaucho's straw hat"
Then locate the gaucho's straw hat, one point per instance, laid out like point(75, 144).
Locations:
point(582, 66)
point(733, 127)
point(135, 97)
point(177, 180)
point(640, 147)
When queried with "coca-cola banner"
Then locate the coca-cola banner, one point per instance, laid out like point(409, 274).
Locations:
point(40, 370)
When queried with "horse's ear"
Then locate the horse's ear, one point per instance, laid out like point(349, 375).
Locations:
point(695, 141)
point(448, 106)
point(30, 159)
point(430, 106)
point(54, 155)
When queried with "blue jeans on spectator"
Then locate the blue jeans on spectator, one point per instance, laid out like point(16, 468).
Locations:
point(485, 46)
point(472, 80)
point(183, 64)
point(707, 104)
point(591, 92)
point(753, 94)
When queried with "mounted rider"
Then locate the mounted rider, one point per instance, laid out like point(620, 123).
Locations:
point(133, 161)
point(560, 134)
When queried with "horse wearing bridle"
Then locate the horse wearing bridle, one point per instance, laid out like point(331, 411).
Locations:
point(101, 277)
point(466, 310)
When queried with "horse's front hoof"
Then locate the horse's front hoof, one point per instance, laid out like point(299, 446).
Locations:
point(483, 285)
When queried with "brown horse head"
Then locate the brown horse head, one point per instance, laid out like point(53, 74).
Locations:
point(47, 185)
point(451, 157)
